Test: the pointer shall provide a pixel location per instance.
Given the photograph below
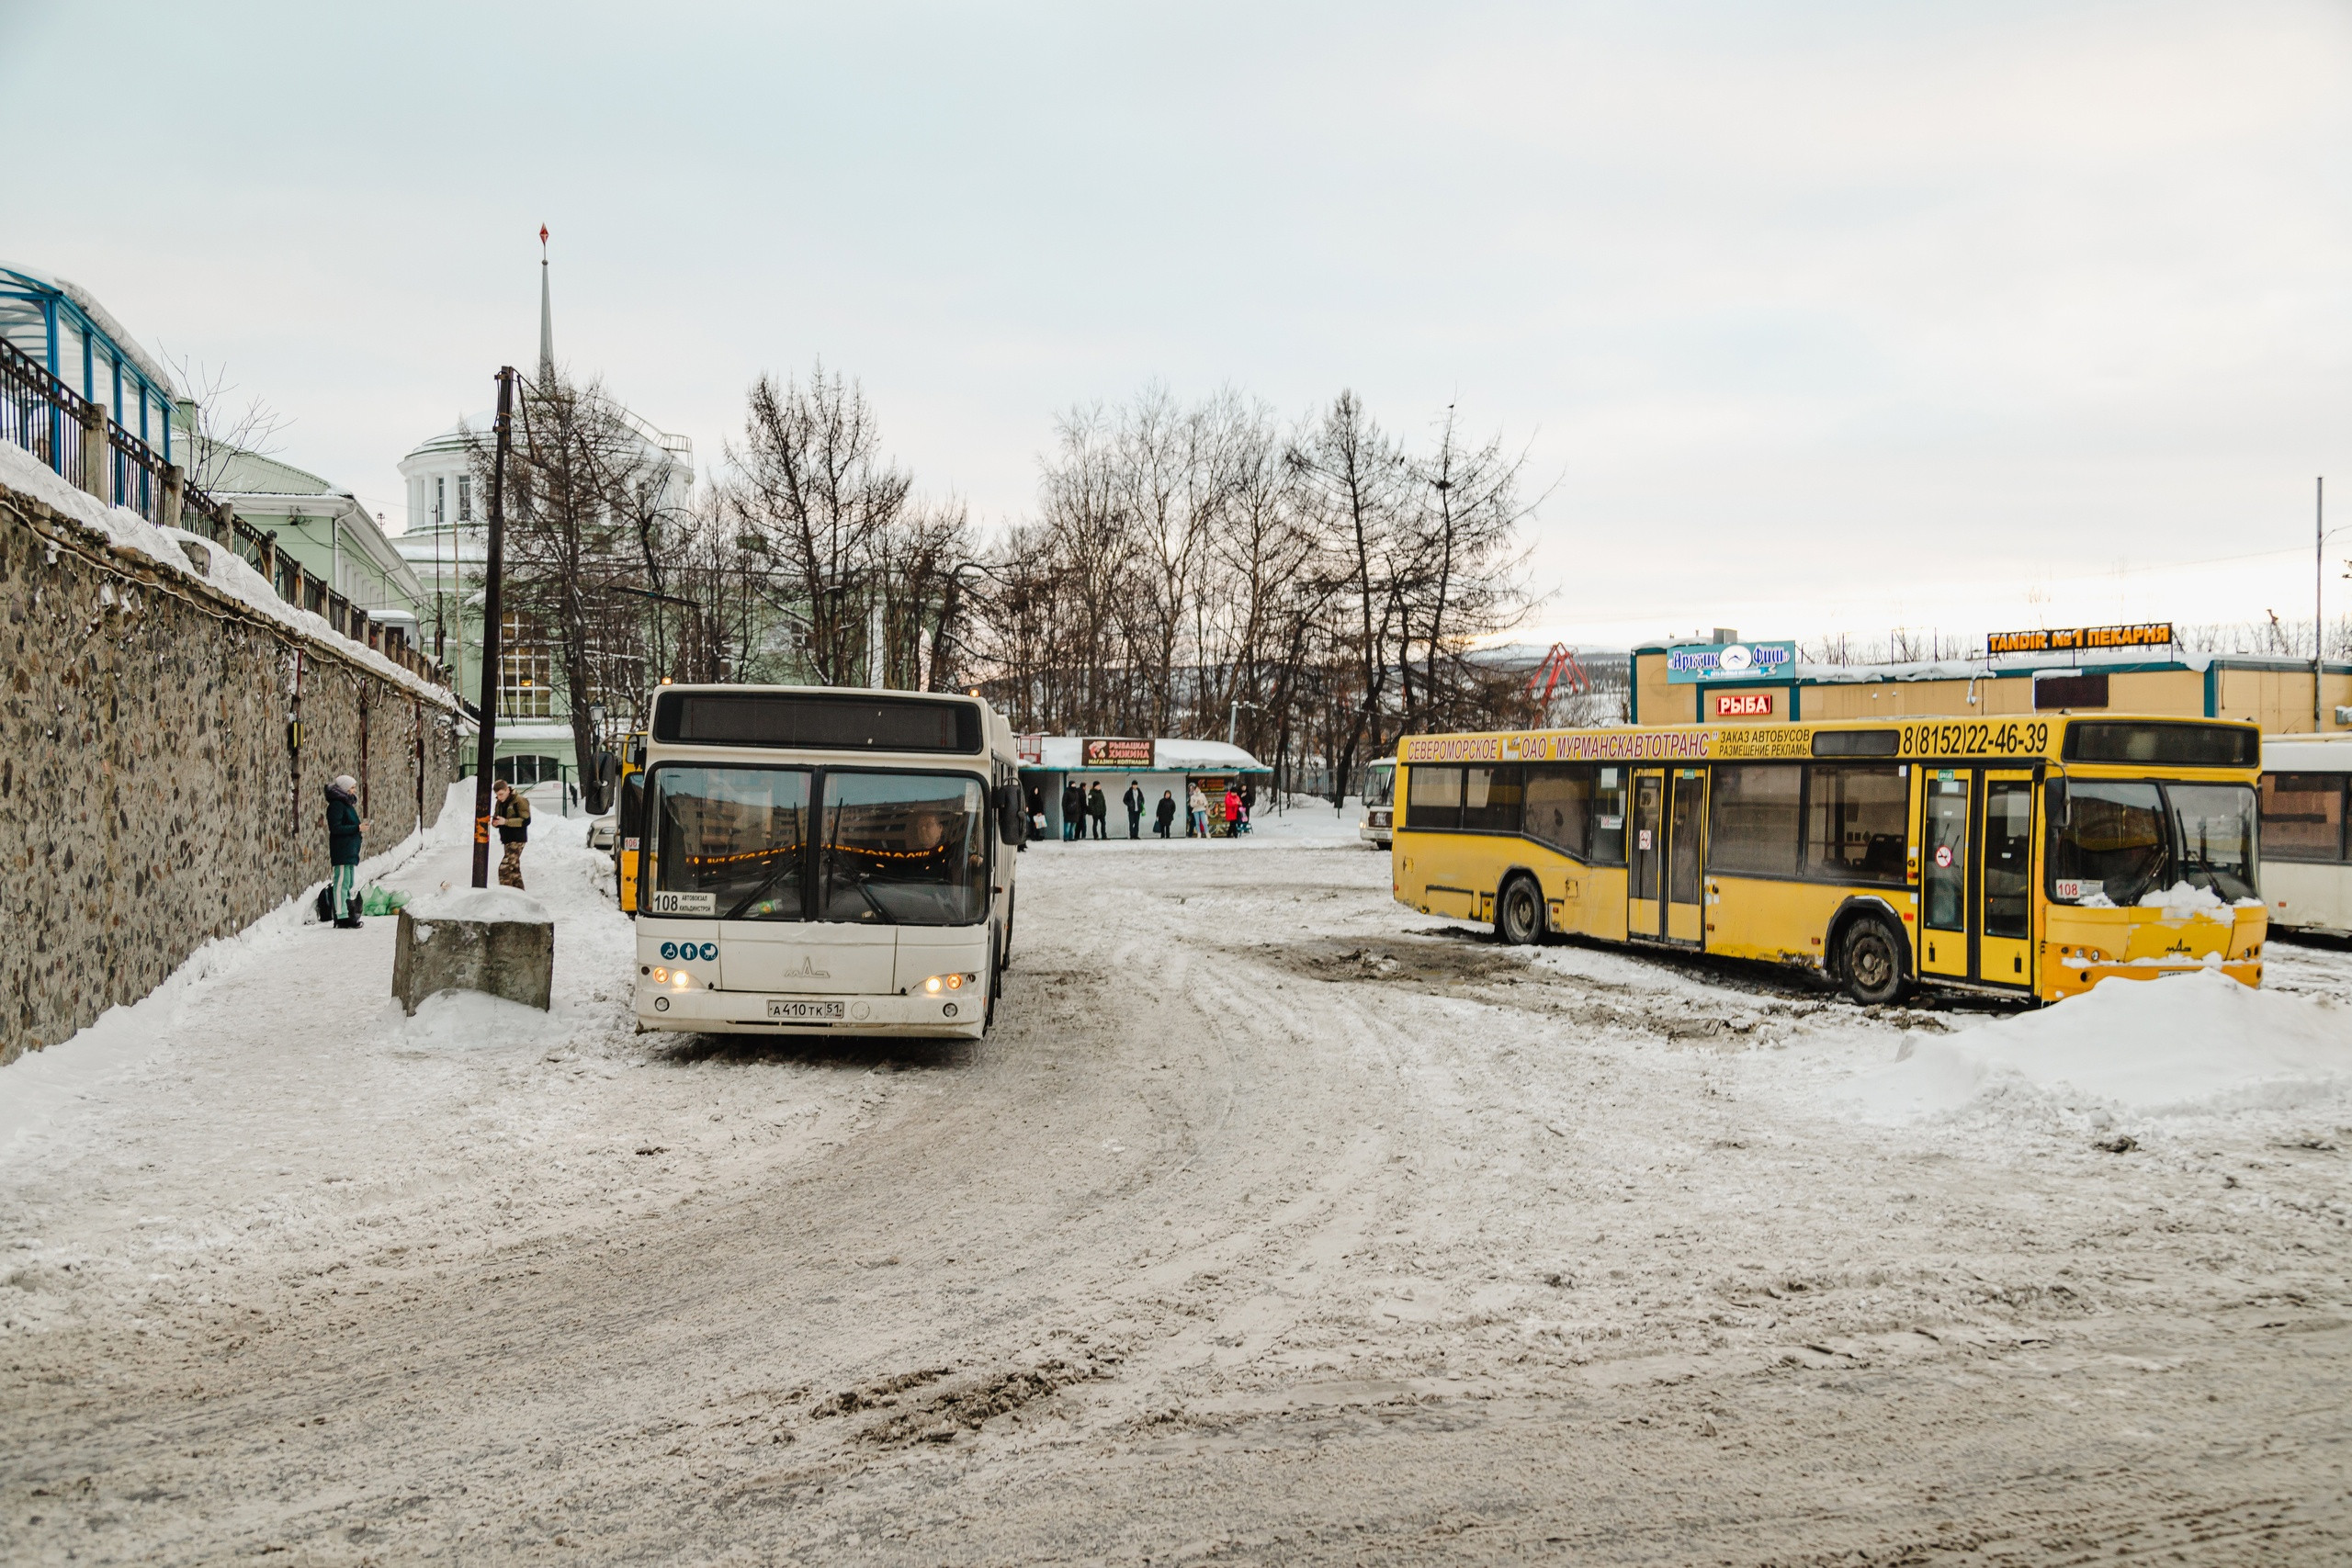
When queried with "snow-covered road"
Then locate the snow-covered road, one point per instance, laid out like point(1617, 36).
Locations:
point(1273, 1224)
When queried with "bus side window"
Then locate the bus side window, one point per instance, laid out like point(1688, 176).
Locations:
point(1490, 799)
point(2302, 816)
point(1608, 818)
point(1855, 818)
point(1434, 798)
point(1756, 814)
point(1559, 806)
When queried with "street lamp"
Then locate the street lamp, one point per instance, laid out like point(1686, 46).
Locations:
point(2321, 534)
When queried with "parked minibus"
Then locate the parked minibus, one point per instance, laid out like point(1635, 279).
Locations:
point(2307, 833)
point(816, 860)
point(1379, 802)
point(2029, 857)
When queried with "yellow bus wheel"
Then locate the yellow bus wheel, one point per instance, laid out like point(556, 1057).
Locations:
point(1519, 912)
point(1872, 960)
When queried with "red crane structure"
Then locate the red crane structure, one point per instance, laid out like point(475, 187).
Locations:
point(1559, 669)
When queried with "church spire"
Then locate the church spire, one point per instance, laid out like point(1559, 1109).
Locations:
point(547, 316)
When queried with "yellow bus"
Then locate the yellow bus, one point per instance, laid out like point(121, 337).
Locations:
point(629, 821)
point(2030, 856)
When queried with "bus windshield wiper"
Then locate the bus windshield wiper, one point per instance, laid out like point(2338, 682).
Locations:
point(871, 903)
point(761, 886)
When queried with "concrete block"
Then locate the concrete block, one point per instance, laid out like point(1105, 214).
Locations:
point(494, 940)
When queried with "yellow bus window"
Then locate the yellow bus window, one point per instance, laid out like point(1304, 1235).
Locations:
point(1855, 821)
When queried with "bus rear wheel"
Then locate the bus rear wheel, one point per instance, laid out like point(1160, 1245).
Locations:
point(1519, 912)
point(1871, 957)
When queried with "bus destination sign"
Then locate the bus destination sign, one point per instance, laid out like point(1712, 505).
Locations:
point(2072, 640)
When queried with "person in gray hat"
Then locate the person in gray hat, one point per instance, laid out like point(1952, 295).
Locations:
point(346, 828)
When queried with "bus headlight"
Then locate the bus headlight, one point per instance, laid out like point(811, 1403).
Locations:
point(939, 982)
point(681, 980)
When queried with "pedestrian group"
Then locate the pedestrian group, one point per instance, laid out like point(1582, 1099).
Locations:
point(1084, 807)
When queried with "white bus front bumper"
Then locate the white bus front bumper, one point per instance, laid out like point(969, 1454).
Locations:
point(747, 1013)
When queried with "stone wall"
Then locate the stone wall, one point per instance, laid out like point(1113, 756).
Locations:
point(151, 791)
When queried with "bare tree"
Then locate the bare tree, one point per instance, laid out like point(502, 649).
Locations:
point(588, 535)
point(1355, 474)
point(224, 431)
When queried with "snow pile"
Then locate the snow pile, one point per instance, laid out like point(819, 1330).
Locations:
point(479, 904)
point(2199, 1044)
point(38, 1084)
point(224, 569)
point(449, 1021)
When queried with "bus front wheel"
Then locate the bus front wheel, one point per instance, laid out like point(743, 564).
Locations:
point(1519, 913)
point(1871, 957)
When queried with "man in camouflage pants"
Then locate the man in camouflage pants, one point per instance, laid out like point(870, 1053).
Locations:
point(511, 813)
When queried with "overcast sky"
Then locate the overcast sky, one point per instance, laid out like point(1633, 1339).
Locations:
point(1811, 317)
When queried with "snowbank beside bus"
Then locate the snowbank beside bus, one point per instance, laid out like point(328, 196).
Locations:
point(2196, 1044)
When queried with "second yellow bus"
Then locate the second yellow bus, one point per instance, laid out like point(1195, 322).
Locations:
point(2028, 857)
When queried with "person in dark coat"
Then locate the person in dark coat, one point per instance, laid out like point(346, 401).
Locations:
point(346, 827)
point(512, 814)
point(1134, 802)
point(1073, 812)
point(1165, 818)
point(1099, 808)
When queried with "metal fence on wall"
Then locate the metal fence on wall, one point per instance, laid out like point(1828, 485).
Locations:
point(75, 439)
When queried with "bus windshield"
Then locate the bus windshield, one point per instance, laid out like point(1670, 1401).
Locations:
point(732, 842)
point(1380, 785)
point(737, 843)
point(2213, 834)
point(2113, 843)
point(904, 848)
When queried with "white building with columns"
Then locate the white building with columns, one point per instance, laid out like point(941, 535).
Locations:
point(446, 543)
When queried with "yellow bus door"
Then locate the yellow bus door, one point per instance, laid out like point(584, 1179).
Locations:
point(1686, 857)
point(1646, 855)
point(1944, 901)
point(2006, 840)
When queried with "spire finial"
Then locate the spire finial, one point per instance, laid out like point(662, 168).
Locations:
point(547, 316)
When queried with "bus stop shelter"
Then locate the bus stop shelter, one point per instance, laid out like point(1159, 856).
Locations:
point(1050, 763)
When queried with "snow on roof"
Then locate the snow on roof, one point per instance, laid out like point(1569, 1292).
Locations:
point(224, 569)
point(1205, 757)
point(1981, 668)
point(252, 473)
point(100, 317)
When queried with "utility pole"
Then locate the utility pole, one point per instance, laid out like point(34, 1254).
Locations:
point(486, 752)
point(2318, 587)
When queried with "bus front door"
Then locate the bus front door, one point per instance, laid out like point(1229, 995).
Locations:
point(1945, 934)
point(1646, 856)
point(2005, 842)
point(1976, 885)
point(1686, 857)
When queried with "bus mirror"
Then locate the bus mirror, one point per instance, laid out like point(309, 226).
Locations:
point(1009, 822)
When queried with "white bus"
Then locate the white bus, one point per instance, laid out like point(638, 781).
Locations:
point(1379, 802)
point(818, 859)
point(2306, 853)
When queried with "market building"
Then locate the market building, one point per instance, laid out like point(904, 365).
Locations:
point(1050, 763)
point(2130, 669)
